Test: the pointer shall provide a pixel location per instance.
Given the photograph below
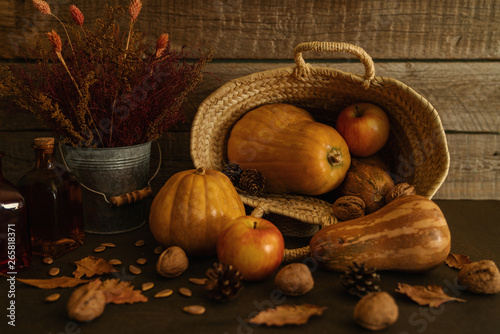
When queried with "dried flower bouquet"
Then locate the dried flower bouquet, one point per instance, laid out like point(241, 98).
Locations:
point(104, 88)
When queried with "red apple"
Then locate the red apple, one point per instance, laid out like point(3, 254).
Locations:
point(252, 245)
point(365, 128)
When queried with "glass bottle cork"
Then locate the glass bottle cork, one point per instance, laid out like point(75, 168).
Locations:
point(15, 250)
point(54, 201)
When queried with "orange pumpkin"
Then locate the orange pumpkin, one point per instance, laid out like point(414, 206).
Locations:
point(192, 208)
point(295, 153)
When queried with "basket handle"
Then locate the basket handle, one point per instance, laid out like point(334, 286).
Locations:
point(289, 254)
point(302, 70)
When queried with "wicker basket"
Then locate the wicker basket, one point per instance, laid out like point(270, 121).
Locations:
point(416, 151)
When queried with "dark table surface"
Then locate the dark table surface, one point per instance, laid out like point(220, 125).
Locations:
point(474, 226)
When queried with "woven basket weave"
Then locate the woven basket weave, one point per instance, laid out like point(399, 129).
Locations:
point(416, 151)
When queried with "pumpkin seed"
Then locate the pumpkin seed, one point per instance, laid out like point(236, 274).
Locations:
point(53, 271)
point(141, 261)
point(99, 249)
point(194, 309)
point(164, 293)
point(198, 281)
point(158, 250)
point(185, 292)
point(147, 286)
point(52, 298)
point(140, 243)
point(115, 262)
point(108, 244)
point(134, 270)
point(48, 260)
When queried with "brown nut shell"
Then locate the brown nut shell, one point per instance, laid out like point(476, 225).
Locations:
point(400, 190)
point(376, 311)
point(172, 262)
point(87, 302)
point(294, 279)
point(480, 277)
point(348, 207)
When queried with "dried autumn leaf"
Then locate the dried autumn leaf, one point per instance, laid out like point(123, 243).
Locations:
point(287, 315)
point(91, 265)
point(457, 261)
point(431, 295)
point(53, 283)
point(120, 292)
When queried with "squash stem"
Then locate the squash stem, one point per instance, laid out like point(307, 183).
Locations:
point(334, 157)
point(200, 171)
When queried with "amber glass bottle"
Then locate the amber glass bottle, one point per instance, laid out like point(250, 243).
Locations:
point(15, 250)
point(54, 201)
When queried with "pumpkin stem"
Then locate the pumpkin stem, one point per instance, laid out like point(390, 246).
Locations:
point(200, 171)
point(334, 157)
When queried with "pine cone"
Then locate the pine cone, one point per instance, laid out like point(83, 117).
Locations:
point(233, 172)
point(224, 282)
point(252, 181)
point(360, 280)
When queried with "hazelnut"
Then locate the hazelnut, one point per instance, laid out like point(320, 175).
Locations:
point(376, 311)
point(294, 279)
point(480, 277)
point(172, 262)
point(87, 302)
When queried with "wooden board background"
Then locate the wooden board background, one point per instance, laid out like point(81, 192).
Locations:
point(448, 51)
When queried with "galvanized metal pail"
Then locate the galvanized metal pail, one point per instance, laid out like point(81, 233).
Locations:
point(108, 172)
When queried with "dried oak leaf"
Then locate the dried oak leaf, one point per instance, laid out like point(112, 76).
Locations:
point(286, 315)
point(431, 295)
point(121, 292)
point(91, 265)
point(53, 283)
point(457, 261)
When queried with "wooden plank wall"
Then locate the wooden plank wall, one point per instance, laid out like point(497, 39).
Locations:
point(448, 51)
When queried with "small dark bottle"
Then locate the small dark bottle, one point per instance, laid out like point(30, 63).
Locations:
point(15, 249)
point(54, 201)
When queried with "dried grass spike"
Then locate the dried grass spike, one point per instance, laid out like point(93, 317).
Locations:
point(76, 15)
point(135, 9)
point(55, 40)
point(161, 44)
point(42, 6)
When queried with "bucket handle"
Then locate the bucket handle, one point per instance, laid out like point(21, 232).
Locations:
point(125, 198)
point(302, 69)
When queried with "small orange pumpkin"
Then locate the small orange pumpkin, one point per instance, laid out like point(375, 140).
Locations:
point(192, 208)
point(294, 153)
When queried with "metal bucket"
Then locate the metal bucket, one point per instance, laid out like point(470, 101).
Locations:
point(108, 172)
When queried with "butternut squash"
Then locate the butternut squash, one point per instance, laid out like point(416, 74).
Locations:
point(293, 152)
point(409, 234)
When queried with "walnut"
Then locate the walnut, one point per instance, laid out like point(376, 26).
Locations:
point(172, 262)
point(294, 279)
point(399, 190)
point(480, 277)
point(87, 302)
point(376, 311)
point(348, 207)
